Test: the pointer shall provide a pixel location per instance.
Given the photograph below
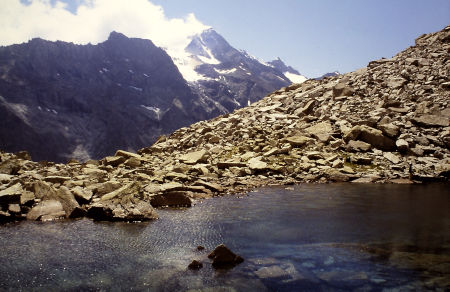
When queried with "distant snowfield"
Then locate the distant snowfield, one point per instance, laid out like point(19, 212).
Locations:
point(295, 78)
point(187, 63)
point(225, 71)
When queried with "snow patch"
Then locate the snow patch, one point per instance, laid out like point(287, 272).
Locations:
point(295, 78)
point(135, 88)
point(146, 75)
point(152, 108)
point(225, 71)
point(246, 54)
point(186, 65)
point(131, 71)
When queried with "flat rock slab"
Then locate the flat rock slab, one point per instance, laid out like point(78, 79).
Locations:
point(11, 195)
point(194, 157)
point(431, 121)
point(46, 211)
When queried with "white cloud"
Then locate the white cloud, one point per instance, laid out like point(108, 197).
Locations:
point(93, 21)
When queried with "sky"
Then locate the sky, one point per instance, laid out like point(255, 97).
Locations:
point(314, 37)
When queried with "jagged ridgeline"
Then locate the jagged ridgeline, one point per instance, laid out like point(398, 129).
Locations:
point(388, 122)
point(60, 101)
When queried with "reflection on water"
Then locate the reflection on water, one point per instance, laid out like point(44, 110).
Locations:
point(311, 237)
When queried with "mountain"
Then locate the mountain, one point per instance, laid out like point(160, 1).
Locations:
point(293, 75)
point(387, 122)
point(330, 74)
point(60, 101)
point(230, 77)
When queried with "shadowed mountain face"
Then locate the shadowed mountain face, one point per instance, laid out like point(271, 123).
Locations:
point(60, 100)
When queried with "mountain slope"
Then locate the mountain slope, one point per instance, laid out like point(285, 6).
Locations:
point(228, 76)
point(61, 101)
point(86, 101)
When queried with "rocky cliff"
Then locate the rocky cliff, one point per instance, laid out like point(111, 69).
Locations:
point(388, 122)
point(60, 101)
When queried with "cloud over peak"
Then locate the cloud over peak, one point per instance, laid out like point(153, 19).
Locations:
point(92, 22)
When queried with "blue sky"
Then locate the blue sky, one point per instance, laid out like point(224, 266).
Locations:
point(314, 37)
point(322, 35)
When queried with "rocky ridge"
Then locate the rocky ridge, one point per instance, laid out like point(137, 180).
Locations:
point(388, 122)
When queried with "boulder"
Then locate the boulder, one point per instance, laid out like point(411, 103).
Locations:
point(307, 109)
point(321, 131)
point(82, 195)
point(105, 187)
point(67, 200)
point(195, 265)
point(46, 211)
point(431, 121)
point(357, 146)
point(171, 186)
point(129, 210)
point(402, 145)
point(11, 195)
point(370, 135)
point(392, 157)
point(27, 198)
point(223, 257)
point(256, 164)
point(389, 130)
point(130, 188)
point(342, 89)
point(127, 154)
point(335, 175)
point(171, 199)
point(298, 141)
point(5, 178)
point(133, 162)
point(114, 161)
point(195, 157)
point(210, 185)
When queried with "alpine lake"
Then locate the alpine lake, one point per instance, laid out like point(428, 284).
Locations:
point(309, 237)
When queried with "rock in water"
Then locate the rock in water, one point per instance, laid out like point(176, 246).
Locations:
point(195, 265)
point(223, 257)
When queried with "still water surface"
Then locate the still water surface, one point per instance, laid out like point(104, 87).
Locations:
point(302, 238)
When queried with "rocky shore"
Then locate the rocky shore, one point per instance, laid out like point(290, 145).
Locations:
point(388, 122)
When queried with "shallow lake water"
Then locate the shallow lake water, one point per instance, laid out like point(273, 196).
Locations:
point(312, 237)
